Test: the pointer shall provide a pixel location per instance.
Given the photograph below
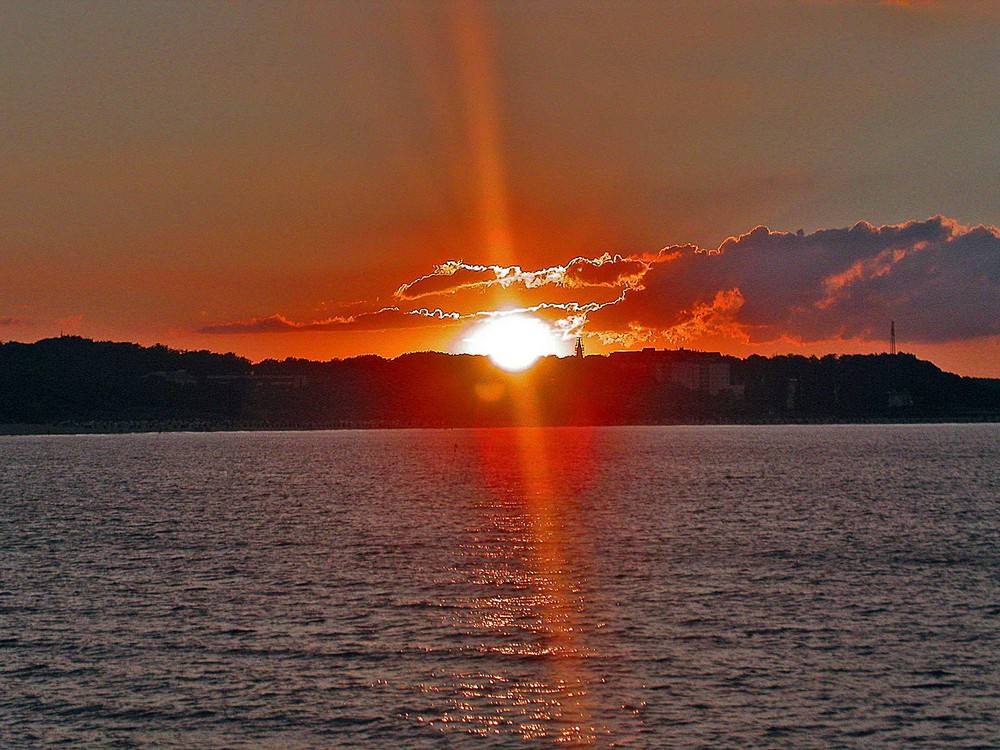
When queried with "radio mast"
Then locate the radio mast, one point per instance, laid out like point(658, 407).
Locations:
point(892, 336)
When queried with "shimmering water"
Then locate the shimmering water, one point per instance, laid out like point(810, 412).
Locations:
point(759, 587)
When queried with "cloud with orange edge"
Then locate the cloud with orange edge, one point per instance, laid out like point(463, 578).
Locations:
point(939, 279)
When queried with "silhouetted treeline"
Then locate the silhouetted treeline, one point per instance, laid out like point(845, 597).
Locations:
point(74, 383)
point(73, 379)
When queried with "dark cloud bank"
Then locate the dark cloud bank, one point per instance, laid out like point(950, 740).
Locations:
point(942, 279)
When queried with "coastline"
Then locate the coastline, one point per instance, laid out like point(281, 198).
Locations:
point(133, 427)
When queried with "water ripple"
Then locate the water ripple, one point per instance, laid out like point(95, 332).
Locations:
point(800, 587)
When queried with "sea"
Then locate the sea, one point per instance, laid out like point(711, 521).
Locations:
point(637, 587)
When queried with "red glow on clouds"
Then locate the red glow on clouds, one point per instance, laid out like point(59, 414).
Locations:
point(760, 291)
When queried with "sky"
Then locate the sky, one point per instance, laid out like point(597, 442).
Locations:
point(330, 179)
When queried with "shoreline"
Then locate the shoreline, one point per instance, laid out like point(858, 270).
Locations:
point(131, 427)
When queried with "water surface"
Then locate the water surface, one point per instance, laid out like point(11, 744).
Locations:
point(760, 587)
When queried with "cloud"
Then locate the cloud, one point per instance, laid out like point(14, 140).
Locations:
point(12, 321)
point(447, 278)
point(940, 281)
point(608, 271)
point(272, 324)
point(453, 275)
point(604, 271)
point(388, 318)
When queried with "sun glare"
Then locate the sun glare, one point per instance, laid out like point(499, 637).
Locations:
point(513, 342)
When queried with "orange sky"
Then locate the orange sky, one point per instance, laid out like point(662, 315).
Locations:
point(178, 173)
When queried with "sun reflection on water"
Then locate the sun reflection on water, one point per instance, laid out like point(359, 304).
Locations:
point(519, 604)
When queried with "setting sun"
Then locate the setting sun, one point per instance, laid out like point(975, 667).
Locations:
point(513, 342)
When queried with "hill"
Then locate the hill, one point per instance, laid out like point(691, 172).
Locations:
point(75, 384)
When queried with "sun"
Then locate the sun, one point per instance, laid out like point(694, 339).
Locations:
point(513, 342)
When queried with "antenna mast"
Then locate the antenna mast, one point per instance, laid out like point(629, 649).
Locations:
point(579, 346)
point(892, 336)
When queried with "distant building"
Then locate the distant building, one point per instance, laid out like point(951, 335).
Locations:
point(177, 377)
point(278, 380)
point(791, 393)
point(262, 380)
point(709, 377)
point(704, 372)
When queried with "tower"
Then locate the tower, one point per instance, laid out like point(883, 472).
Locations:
point(579, 347)
point(892, 336)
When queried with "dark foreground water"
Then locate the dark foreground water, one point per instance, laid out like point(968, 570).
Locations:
point(756, 587)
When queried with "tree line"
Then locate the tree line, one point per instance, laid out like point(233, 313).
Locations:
point(70, 381)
